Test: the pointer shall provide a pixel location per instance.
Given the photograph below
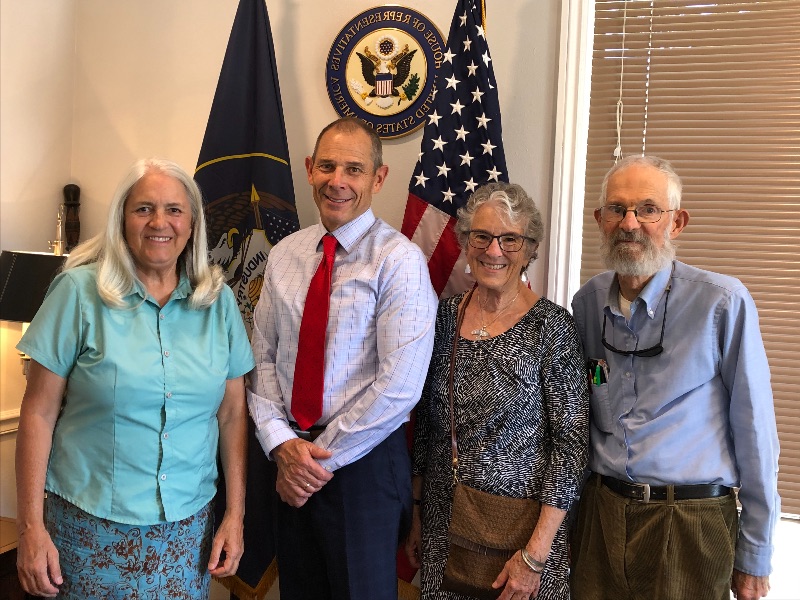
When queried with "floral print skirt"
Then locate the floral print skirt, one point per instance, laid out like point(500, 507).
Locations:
point(113, 561)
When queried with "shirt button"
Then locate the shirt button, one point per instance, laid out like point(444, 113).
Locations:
point(169, 394)
point(628, 374)
point(166, 352)
point(166, 436)
point(650, 312)
point(163, 478)
point(161, 317)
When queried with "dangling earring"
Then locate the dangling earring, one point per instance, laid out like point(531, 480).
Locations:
point(524, 277)
point(467, 269)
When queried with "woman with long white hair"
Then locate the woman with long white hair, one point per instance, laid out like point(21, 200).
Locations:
point(136, 380)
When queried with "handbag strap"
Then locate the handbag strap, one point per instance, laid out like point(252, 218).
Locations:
point(459, 320)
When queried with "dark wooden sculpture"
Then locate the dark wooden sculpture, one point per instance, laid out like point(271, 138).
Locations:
point(72, 222)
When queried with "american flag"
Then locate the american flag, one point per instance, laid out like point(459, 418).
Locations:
point(462, 149)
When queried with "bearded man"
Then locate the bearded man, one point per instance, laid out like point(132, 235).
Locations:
point(682, 413)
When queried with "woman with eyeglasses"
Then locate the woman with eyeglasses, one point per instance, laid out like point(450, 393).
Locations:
point(520, 401)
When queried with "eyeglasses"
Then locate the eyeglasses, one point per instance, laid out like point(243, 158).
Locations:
point(647, 213)
point(509, 242)
point(646, 352)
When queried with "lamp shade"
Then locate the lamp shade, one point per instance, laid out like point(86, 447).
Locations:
point(24, 279)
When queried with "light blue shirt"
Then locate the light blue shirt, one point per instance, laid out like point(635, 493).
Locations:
point(136, 441)
point(377, 346)
point(700, 412)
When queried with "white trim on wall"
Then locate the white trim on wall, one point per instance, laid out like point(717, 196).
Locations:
point(9, 421)
point(569, 170)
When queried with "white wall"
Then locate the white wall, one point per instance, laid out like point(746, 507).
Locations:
point(143, 76)
point(147, 88)
point(36, 65)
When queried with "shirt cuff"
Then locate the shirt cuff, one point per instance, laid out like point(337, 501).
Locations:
point(329, 464)
point(753, 560)
point(273, 436)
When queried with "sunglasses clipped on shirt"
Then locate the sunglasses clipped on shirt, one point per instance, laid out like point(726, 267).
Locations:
point(645, 352)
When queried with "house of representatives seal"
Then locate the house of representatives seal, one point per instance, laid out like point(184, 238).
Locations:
point(382, 68)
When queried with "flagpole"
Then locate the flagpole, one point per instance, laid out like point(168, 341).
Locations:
point(461, 149)
point(244, 173)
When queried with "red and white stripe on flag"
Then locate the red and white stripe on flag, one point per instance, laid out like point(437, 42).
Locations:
point(434, 232)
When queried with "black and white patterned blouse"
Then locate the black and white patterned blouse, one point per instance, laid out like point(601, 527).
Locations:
point(522, 418)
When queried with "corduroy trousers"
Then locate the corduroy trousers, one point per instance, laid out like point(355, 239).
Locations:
point(623, 549)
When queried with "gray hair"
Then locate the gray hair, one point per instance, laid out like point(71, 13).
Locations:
point(116, 270)
point(519, 208)
point(674, 185)
point(351, 124)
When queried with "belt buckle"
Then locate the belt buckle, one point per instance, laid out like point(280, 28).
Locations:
point(645, 488)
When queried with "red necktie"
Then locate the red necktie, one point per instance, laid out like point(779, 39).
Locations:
point(309, 366)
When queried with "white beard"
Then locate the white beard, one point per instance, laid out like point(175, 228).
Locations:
point(640, 263)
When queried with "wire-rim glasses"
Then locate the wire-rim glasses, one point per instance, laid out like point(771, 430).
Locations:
point(509, 242)
point(646, 352)
point(646, 213)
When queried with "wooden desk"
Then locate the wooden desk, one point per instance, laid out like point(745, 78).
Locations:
point(9, 584)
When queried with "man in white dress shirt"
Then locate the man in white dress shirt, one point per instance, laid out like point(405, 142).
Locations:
point(345, 481)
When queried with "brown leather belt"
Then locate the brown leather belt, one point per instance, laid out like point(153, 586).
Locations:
point(645, 492)
point(308, 435)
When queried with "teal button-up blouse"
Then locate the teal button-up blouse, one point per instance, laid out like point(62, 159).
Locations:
point(136, 441)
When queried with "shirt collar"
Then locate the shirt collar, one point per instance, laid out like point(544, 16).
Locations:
point(654, 290)
point(182, 290)
point(349, 234)
point(650, 296)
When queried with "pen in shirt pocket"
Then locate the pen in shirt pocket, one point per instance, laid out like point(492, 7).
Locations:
point(597, 371)
point(602, 365)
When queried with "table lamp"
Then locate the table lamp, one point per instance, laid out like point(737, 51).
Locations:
point(24, 279)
